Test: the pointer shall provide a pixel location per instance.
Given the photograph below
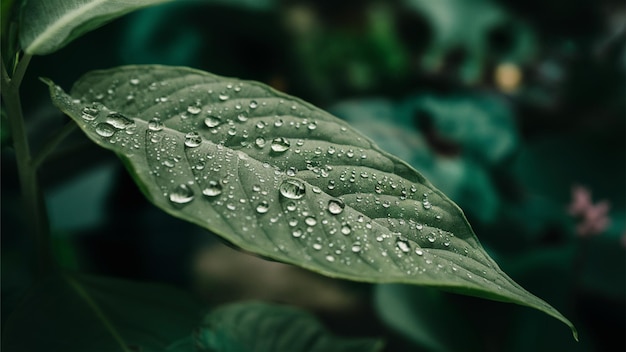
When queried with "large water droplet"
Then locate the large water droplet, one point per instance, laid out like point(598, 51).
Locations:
point(213, 189)
point(90, 113)
point(194, 110)
point(182, 194)
point(212, 121)
point(311, 221)
point(105, 130)
point(119, 121)
point(280, 145)
point(419, 251)
point(403, 245)
point(292, 189)
point(242, 117)
point(346, 229)
point(356, 247)
point(155, 124)
point(259, 142)
point(330, 258)
point(335, 206)
point(262, 207)
point(296, 233)
point(253, 104)
point(193, 139)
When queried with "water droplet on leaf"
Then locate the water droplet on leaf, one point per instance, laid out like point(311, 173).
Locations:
point(280, 145)
point(193, 139)
point(119, 121)
point(182, 194)
point(262, 207)
point(213, 189)
point(155, 124)
point(292, 189)
point(335, 206)
point(212, 121)
point(105, 130)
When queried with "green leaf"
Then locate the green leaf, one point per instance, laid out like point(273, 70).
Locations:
point(85, 313)
point(48, 25)
point(281, 178)
point(263, 327)
point(427, 317)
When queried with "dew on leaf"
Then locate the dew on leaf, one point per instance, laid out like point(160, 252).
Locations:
point(335, 206)
point(356, 247)
point(193, 139)
point(212, 121)
point(262, 207)
point(181, 194)
point(311, 221)
point(253, 104)
point(296, 233)
point(213, 189)
point(105, 130)
point(403, 245)
point(346, 229)
point(155, 124)
point(419, 251)
point(194, 110)
point(119, 121)
point(291, 206)
point(280, 144)
point(89, 113)
point(292, 189)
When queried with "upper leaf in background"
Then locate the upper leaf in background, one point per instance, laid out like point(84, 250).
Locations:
point(253, 326)
point(48, 25)
point(281, 178)
point(470, 27)
point(85, 313)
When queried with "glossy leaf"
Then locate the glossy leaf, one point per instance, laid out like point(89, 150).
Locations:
point(281, 178)
point(48, 25)
point(85, 313)
point(266, 328)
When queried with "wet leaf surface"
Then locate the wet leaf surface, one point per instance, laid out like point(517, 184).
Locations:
point(281, 178)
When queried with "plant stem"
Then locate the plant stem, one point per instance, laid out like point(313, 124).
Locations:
point(34, 205)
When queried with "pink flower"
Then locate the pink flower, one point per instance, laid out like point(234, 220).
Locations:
point(593, 218)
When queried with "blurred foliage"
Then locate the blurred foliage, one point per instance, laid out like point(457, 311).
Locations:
point(505, 106)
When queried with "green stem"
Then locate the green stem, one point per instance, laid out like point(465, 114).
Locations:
point(27, 171)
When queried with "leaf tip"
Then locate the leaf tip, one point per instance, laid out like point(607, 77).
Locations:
point(46, 81)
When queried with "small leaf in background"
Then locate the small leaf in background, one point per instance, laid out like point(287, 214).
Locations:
point(469, 27)
point(85, 313)
point(426, 318)
point(283, 179)
point(253, 326)
point(48, 25)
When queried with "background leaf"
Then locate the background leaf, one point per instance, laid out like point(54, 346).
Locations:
point(46, 26)
point(278, 177)
point(86, 313)
point(252, 327)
